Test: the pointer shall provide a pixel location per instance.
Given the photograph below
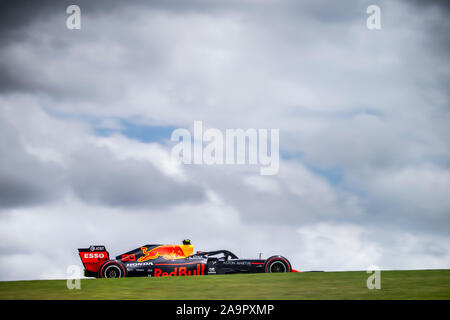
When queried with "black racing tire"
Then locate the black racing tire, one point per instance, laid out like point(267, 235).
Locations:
point(112, 269)
point(277, 264)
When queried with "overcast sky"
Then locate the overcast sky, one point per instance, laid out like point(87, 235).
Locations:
point(86, 117)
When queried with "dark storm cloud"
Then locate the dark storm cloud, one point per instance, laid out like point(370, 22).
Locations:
point(440, 4)
point(23, 179)
point(19, 18)
point(438, 38)
point(17, 22)
point(438, 27)
point(16, 16)
point(98, 177)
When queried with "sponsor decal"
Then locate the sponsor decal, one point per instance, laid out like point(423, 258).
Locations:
point(97, 248)
point(181, 271)
point(166, 251)
point(128, 257)
point(237, 262)
point(139, 264)
point(91, 255)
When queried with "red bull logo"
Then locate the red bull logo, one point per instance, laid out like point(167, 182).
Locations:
point(181, 271)
point(165, 251)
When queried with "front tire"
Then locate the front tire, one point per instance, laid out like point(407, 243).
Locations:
point(276, 264)
point(112, 269)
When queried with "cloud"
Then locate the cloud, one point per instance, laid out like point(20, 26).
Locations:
point(363, 118)
point(292, 197)
point(356, 247)
point(45, 157)
point(97, 176)
point(414, 192)
point(24, 180)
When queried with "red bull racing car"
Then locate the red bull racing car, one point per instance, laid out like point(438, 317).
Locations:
point(156, 260)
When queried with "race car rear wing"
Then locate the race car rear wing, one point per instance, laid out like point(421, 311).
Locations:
point(92, 258)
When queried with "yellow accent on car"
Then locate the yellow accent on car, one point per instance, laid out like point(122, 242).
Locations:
point(188, 249)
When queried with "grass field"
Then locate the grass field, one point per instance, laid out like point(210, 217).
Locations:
point(421, 284)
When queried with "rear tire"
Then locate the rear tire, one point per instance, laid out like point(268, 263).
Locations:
point(277, 264)
point(112, 269)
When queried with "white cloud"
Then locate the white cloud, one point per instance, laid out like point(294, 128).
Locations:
point(416, 190)
point(154, 153)
point(263, 184)
point(340, 247)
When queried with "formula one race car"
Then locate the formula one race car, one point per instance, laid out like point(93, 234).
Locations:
point(155, 260)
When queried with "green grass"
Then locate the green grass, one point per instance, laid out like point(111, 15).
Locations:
point(420, 284)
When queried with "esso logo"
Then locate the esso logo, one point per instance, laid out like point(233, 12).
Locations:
point(94, 255)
